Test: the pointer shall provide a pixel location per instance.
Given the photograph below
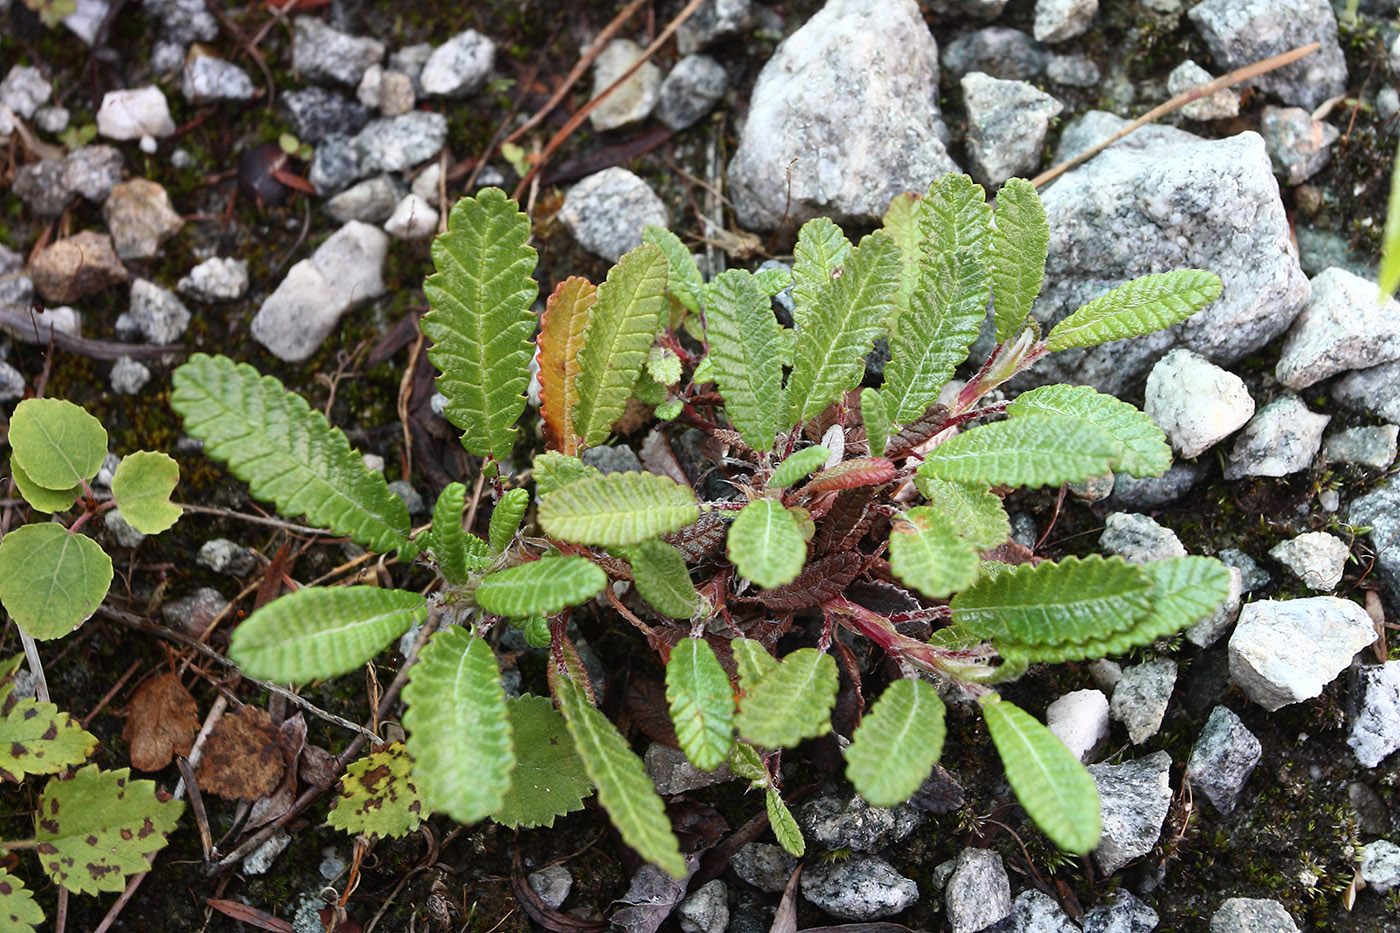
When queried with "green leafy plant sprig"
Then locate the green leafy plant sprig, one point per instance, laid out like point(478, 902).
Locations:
point(836, 489)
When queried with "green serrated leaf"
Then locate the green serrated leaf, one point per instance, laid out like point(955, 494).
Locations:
point(895, 746)
point(1144, 447)
point(876, 418)
point(553, 470)
point(1054, 787)
point(927, 553)
point(624, 789)
point(976, 511)
point(766, 544)
point(96, 828)
point(1146, 304)
point(36, 738)
point(792, 703)
point(701, 703)
point(851, 305)
point(457, 552)
point(549, 779)
point(785, 828)
point(541, 587)
point(458, 733)
point(902, 222)
point(821, 247)
point(745, 357)
point(745, 761)
point(1033, 450)
point(617, 509)
point(481, 324)
point(142, 485)
point(18, 911)
point(506, 518)
point(950, 301)
point(44, 500)
point(772, 280)
point(1055, 603)
point(56, 443)
point(683, 279)
point(323, 631)
point(1020, 242)
point(378, 797)
point(287, 454)
point(669, 411)
point(663, 366)
point(621, 328)
point(663, 580)
point(798, 465)
point(754, 661)
point(51, 580)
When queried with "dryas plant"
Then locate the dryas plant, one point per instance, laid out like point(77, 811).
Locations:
point(877, 511)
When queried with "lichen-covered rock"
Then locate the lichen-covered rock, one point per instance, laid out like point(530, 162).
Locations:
point(1284, 652)
point(1223, 758)
point(1341, 327)
point(1283, 437)
point(1241, 32)
point(841, 822)
point(1195, 403)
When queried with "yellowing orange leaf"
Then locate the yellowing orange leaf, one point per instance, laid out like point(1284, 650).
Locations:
point(560, 339)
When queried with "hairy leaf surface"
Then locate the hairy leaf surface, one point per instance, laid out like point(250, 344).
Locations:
point(976, 512)
point(1144, 450)
point(378, 797)
point(785, 828)
point(791, 703)
point(142, 485)
point(897, 743)
point(927, 553)
point(744, 345)
point(480, 322)
point(560, 338)
point(701, 702)
point(36, 738)
point(56, 443)
point(754, 662)
point(1020, 243)
point(683, 279)
point(1033, 450)
point(548, 779)
point(617, 509)
point(766, 544)
point(821, 248)
point(850, 474)
point(287, 454)
point(541, 587)
point(44, 500)
point(323, 631)
point(457, 551)
point(663, 579)
point(553, 470)
point(506, 518)
point(798, 465)
point(902, 221)
point(51, 580)
point(1146, 304)
point(876, 418)
point(1056, 790)
point(458, 731)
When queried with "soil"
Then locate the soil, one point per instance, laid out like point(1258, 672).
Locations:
point(1294, 837)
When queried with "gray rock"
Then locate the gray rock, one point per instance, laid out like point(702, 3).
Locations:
point(1141, 697)
point(336, 164)
point(1370, 445)
point(459, 67)
point(93, 171)
point(410, 60)
point(1195, 403)
point(1251, 915)
point(40, 186)
point(413, 219)
point(1153, 492)
point(1370, 810)
point(1134, 797)
point(371, 201)
point(690, 91)
point(1138, 538)
point(607, 211)
point(840, 822)
point(183, 21)
point(1210, 629)
point(1299, 145)
point(1080, 720)
point(1283, 437)
point(1222, 104)
point(1037, 912)
point(159, 316)
point(24, 90)
point(1240, 32)
point(1122, 913)
point(552, 884)
point(1106, 674)
point(1058, 20)
point(391, 92)
point(322, 53)
point(52, 120)
point(999, 51)
point(766, 867)
point(706, 909)
point(1223, 758)
point(346, 271)
point(1375, 712)
point(976, 9)
point(713, 21)
point(396, 144)
point(412, 498)
point(1375, 390)
point(1093, 489)
point(208, 78)
point(135, 113)
point(672, 772)
point(10, 261)
point(1315, 557)
point(1380, 866)
point(1341, 327)
point(224, 556)
point(426, 184)
point(218, 278)
point(1253, 577)
point(616, 458)
point(316, 112)
point(129, 377)
point(1006, 126)
point(1072, 70)
point(863, 126)
point(11, 382)
point(1286, 652)
point(17, 291)
point(860, 888)
point(1158, 204)
point(122, 532)
point(140, 218)
point(193, 613)
point(978, 892)
point(260, 859)
point(635, 98)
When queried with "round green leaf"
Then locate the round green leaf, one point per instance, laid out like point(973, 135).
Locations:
point(142, 485)
point(377, 795)
point(56, 443)
point(541, 587)
point(45, 500)
point(18, 911)
point(548, 779)
point(765, 543)
point(52, 581)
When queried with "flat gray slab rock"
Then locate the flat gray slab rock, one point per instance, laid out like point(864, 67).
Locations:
point(1006, 126)
point(1135, 797)
point(1380, 510)
point(1195, 403)
point(1251, 915)
point(978, 892)
point(1283, 437)
point(1375, 712)
point(861, 887)
point(1285, 652)
point(863, 125)
point(1164, 199)
point(607, 211)
point(1223, 758)
point(1340, 328)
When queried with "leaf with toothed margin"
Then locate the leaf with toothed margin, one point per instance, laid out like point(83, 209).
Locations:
point(897, 743)
point(701, 703)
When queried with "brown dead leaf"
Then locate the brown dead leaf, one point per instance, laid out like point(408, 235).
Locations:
point(318, 767)
point(161, 723)
point(242, 758)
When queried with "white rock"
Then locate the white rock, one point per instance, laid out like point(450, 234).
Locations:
point(1006, 126)
point(24, 90)
point(1282, 438)
point(157, 313)
point(1141, 697)
point(208, 77)
point(1080, 720)
point(607, 211)
point(978, 893)
point(260, 859)
point(1317, 558)
point(459, 67)
point(1341, 327)
point(427, 183)
point(216, 279)
point(1252, 915)
point(1375, 712)
point(1218, 106)
point(1286, 652)
point(1380, 866)
point(128, 376)
point(11, 382)
point(1139, 538)
point(1195, 403)
point(1058, 20)
point(635, 98)
point(87, 19)
point(413, 219)
point(135, 113)
point(52, 120)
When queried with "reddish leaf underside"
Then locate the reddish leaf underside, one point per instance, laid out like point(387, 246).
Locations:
point(560, 339)
point(162, 723)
